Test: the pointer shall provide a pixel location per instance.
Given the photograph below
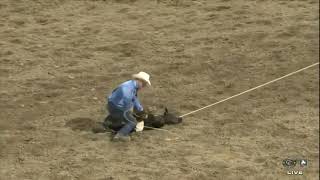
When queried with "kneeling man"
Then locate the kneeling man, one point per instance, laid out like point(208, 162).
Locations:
point(123, 99)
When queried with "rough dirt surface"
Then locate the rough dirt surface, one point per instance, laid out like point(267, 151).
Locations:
point(60, 58)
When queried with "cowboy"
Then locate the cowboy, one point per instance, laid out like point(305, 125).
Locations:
point(122, 100)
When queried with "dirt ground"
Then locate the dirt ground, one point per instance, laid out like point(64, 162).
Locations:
point(61, 58)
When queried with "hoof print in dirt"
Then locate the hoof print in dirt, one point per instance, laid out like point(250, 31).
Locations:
point(81, 124)
point(99, 128)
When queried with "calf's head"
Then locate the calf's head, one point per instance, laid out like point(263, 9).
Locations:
point(171, 118)
point(158, 121)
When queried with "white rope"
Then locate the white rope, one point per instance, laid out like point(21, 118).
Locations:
point(249, 90)
point(159, 129)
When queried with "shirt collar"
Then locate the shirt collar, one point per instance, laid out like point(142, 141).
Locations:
point(135, 84)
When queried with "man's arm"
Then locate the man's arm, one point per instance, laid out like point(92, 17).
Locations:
point(136, 104)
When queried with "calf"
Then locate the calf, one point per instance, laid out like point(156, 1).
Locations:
point(150, 121)
point(158, 121)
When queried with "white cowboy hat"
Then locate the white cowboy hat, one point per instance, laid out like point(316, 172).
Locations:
point(143, 76)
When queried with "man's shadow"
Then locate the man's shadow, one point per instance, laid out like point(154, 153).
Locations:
point(85, 124)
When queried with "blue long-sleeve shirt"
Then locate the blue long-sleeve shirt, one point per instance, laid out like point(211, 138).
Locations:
point(125, 96)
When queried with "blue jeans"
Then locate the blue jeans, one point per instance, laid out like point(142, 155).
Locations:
point(125, 117)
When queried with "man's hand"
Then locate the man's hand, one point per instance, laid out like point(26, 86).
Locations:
point(141, 115)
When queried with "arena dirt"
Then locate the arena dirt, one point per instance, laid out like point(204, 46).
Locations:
point(60, 59)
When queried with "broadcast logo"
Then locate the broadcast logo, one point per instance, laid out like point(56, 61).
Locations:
point(289, 164)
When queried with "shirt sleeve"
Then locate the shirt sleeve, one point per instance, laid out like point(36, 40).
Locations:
point(126, 96)
point(136, 104)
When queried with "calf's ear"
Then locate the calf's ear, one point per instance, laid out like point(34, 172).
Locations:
point(166, 111)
